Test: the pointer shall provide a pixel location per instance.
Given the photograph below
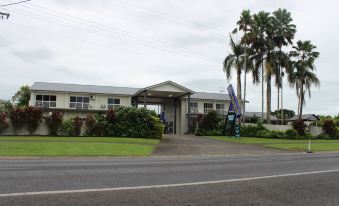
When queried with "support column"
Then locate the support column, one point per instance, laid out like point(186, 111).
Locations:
point(145, 99)
point(175, 117)
point(189, 114)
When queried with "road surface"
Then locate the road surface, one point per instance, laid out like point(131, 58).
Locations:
point(290, 179)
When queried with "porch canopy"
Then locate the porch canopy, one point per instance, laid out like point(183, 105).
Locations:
point(161, 93)
point(164, 93)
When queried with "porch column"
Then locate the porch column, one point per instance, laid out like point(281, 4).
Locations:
point(175, 117)
point(189, 114)
point(145, 99)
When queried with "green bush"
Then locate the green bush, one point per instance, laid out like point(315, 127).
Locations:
point(210, 124)
point(130, 122)
point(54, 122)
point(299, 126)
point(33, 118)
point(91, 125)
point(329, 128)
point(291, 134)
point(3, 122)
point(68, 127)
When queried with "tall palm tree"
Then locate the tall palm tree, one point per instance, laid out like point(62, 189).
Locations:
point(284, 32)
point(258, 42)
point(303, 76)
point(244, 24)
point(235, 60)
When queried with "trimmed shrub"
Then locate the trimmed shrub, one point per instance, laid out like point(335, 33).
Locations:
point(299, 126)
point(17, 117)
point(91, 125)
point(77, 121)
point(3, 123)
point(33, 118)
point(329, 128)
point(68, 127)
point(291, 134)
point(72, 127)
point(53, 122)
point(210, 121)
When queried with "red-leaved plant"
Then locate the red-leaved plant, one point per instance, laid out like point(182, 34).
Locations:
point(3, 122)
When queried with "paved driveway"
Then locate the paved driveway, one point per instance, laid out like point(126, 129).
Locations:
point(177, 145)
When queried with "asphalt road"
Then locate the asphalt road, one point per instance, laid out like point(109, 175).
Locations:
point(292, 179)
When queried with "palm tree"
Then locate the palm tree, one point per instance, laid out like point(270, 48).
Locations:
point(257, 39)
point(303, 76)
point(244, 24)
point(235, 60)
point(284, 32)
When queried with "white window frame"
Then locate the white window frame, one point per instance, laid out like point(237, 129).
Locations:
point(77, 104)
point(207, 109)
point(195, 108)
point(114, 105)
point(45, 103)
point(220, 111)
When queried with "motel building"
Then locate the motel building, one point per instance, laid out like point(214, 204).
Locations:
point(174, 103)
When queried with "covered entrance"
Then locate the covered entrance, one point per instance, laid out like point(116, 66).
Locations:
point(171, 98)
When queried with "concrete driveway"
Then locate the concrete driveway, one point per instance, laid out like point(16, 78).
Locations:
point(178, 145)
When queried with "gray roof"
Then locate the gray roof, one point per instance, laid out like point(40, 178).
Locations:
point(94, 89)
point(60, 87)
point(211, 96)
point(258, 114)
point(3, 101)
point(307, 117)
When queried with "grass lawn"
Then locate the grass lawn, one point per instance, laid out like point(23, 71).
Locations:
point(286, 144)
point(75, 146)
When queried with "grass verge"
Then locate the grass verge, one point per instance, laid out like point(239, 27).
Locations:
point(286, 144)
point(75, 146)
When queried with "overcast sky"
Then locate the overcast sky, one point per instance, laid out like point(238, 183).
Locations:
point(139, 43)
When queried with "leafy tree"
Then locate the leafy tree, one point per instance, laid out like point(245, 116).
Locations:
point(283, 35)
point(22, 96)
point(303, 77)
point(288, 114)
point(235, 60)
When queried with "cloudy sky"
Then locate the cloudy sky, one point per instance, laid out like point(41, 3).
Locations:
point(140, 43)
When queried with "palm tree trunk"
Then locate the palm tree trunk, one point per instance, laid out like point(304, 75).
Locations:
point(262, 90)
point(244, 98)
point(301, 100)
point(268, 99)
point(239, 85)
point(282, 106)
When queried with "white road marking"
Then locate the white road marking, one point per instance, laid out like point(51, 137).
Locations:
point(163, 186)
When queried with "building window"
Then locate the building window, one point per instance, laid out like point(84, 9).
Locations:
point(45, 101)
point(113, 103)
point(76, 102)
point(194, 107)
point(220, 109)
point(208, 107)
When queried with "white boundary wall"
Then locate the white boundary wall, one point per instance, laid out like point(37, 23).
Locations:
point(312, 130)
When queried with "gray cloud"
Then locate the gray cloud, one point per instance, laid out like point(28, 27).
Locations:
point(34, 55)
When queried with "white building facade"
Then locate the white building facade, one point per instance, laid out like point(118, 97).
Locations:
point(175, 102)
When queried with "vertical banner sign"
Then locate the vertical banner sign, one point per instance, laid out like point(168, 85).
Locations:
point(234, 101)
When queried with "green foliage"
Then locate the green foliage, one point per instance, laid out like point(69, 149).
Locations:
point(291, 134)
point(53, 122)
point(22, 96)
point(90, 123)
point(72, 127)
point(329, 128)
point(6, 107)
point(33, 118)
point(288, 114)
point(129, 122)
point(299, 126)
point(210, 124)
point(68, 127)
point(17, 117)
point(3, 122)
